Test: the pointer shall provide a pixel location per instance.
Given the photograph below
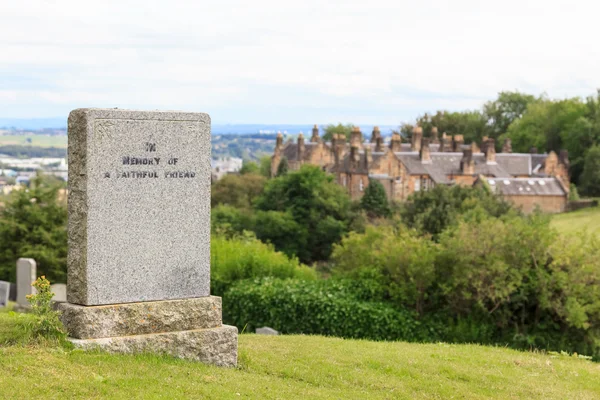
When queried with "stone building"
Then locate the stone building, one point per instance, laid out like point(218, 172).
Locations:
point(404, 168)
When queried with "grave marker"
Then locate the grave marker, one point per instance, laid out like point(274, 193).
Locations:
point(139, 236)
point(26, 275)
point(4, 292)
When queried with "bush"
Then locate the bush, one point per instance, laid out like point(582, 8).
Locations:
point(433, 211)
point(46, 323)
point(322, 307)
point(245, 257)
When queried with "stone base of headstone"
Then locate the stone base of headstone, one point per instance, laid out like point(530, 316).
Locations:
point(187, 328)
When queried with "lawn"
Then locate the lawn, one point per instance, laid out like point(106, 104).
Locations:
point(577, 221)
point(307, 367)
point(36, 140)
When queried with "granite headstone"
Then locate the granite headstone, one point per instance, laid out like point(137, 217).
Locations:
point(60, 292)
point(139, 206)
point(138, 263)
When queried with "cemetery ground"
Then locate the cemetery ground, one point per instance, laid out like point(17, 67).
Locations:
point(577, 221)
point(294, 366)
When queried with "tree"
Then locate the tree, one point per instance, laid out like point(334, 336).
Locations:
point(34, 224)
point(319, 207)
point(507, 108)
point(343, 129)
point(590, 179)
point(374, 200)
point(265, 166)
point(249, 167)
point(282, 168)
point(237, 191)
point(433, 211)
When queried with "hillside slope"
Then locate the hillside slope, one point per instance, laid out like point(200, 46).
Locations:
point(577, 221)
point(289, 367)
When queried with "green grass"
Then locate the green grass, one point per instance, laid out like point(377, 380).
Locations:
point(36, 140)
point(296, 367)
point(577, 221)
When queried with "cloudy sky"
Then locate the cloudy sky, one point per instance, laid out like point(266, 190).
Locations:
point(292, 62)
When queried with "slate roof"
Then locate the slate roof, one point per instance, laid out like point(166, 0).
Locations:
point(356, 167)
point(527, 186)
point(290, 150)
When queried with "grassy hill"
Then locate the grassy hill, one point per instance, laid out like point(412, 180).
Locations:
point(297, 367)
point(34, 140)
point(577, 221)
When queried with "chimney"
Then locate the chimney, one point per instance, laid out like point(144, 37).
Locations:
point(490, 153)
point(446, 143)
point(278, 143)
point(563, 157)
point(474, 148)
point(301, 147)
point(379, 144)
point(354, 155)
point(368, 157)
point(416, 138)
point(396, 143)
point(457, 142)
point(425, 154)
point(533, 150)
point(356, 137)
point(315, 134)
point(375, 134)
point(507, 146)
point(467, 164)
point(434, 135)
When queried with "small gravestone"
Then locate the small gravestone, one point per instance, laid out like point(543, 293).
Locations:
point(265, 330)
point(4, 293)
point(26, 275)
point(60, 292)
point(139, 236)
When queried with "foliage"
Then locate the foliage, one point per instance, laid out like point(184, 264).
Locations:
point(319, 207)
point(374, 200)
point(244, 257)
point(573, 193)
point(34, 224)
point(402, 262)
point(249, 167)
point(315, 307)
point(47, 324)
point(433, 211)
point(265, 166)
point(283, 167)
point(590, 180)
point(340, 129)
point(230, 221)
point(237, 191)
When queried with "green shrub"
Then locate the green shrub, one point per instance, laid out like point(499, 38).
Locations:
point(46, 323)
point(245, 257)
point(322, 307)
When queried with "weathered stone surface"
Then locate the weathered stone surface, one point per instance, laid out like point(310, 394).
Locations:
point(139, 206)
point(216, 346)
point(26, 275)
point(84, 322)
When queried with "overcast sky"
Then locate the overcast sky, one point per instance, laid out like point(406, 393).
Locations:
point(380, 62)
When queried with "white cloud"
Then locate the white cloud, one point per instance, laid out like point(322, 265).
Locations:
point(312, 61)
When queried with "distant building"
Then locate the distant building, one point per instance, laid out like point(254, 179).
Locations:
point(223, 166)
point(405, 168)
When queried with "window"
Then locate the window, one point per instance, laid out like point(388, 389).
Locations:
point(423, 183)
point(417, 185)
point(344, 180)
point(361, 186)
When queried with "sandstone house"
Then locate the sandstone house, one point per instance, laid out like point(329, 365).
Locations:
point(526, 179)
